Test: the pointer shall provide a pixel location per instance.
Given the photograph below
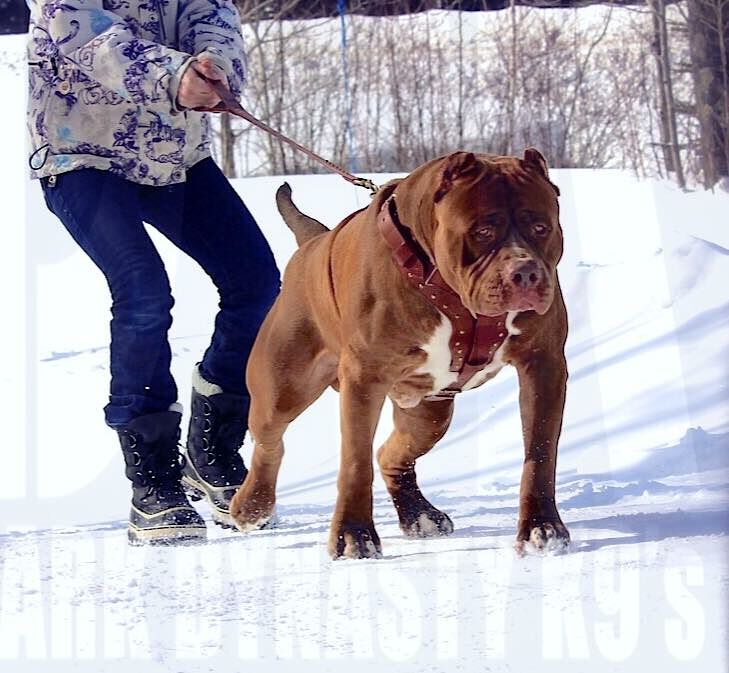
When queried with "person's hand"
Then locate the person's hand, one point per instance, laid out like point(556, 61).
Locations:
point(195, 90)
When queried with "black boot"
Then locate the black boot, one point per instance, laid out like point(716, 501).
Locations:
point(214, 468)
point(161, 513)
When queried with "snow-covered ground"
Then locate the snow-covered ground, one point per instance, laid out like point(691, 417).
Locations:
point(643, 472)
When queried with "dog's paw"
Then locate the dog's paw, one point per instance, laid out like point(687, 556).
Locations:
point(354, 541)
point(252, 511)
point(263, 521)
point(430, 522)
point(549, 538)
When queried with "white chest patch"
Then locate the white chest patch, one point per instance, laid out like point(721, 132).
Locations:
point(439, 356)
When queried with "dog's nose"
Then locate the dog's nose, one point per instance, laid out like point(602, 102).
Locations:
point(525, 274)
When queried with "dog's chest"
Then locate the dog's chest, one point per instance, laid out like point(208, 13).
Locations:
point(434, 374)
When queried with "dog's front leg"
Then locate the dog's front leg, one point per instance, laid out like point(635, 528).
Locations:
point(353, 532)
point(542, 384)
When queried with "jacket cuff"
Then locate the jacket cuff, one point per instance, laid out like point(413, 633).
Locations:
point(224, 64)
point(175, 84)
point(218, 59)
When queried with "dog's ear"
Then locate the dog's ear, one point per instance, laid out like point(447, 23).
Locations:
point(533, 157)
point(457, 165)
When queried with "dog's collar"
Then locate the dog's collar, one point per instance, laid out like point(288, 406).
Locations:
point(474, 340)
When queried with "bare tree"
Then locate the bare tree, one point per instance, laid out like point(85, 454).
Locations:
point(708, 29)
point(579, 86)
point(661, 51)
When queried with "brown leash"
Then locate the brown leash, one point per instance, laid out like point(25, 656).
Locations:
point(229, 103)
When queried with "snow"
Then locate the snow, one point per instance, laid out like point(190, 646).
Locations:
point(643, 471)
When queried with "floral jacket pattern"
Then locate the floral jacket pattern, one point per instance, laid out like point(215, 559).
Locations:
point(103, 81)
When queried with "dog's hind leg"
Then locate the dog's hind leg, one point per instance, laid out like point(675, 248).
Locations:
point(416, 432)
point(287, 371)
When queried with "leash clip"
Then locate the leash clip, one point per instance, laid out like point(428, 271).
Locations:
point(367, 184)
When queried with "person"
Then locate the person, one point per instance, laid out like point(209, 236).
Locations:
point(116, 142)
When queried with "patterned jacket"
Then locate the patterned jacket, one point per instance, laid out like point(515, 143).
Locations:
point(103, 80)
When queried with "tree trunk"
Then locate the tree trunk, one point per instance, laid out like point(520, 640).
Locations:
point(669, 134)
point(512, 85)
point(461, 139)
point(708, 26)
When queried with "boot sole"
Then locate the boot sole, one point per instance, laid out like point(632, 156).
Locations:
point(196, 492)
point(166, 536)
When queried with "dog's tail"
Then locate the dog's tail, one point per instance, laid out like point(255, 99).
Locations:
point(303, 226)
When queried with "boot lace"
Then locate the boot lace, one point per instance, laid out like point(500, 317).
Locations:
point(155, 467)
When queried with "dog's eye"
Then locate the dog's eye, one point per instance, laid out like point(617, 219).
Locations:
point(483, 232)
point(540, 229)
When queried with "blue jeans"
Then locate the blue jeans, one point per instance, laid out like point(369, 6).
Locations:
point(205, 218)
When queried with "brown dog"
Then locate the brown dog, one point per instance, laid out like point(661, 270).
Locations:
point(445, 277)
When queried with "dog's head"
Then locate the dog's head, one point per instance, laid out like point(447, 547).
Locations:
point(493, 230)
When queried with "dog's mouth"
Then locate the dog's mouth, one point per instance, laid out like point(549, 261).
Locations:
point(495, 296)
point(538, 301)
point(494, 307)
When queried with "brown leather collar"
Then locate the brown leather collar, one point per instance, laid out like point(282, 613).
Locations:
point(474, 340)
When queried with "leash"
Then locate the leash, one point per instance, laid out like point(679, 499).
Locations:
point(229, 103)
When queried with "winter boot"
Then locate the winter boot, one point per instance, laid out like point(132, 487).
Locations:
point(161, 513)
point(214, 468)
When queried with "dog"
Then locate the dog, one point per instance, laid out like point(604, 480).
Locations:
point(448, 275)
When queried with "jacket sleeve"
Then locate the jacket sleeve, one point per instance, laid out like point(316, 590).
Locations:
point(213, 28)
point(105, 48)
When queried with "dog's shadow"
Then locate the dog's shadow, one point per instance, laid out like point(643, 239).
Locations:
point(589, 534)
